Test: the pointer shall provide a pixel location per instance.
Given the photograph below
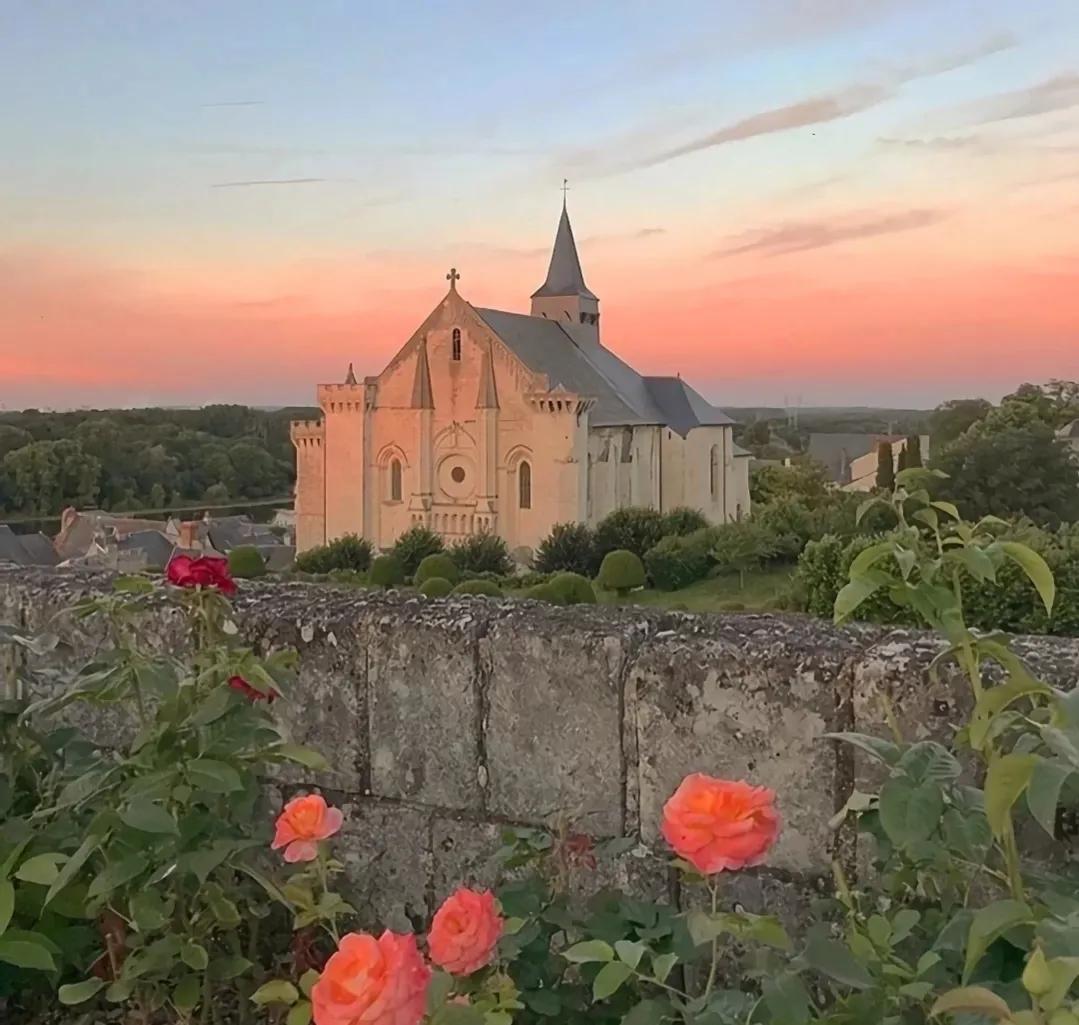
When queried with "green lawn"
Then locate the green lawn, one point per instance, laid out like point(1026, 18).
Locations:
point(713, 595)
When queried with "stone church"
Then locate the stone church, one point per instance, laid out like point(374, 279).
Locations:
point(510, 423)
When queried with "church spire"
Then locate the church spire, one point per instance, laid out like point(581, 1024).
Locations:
point(350, 377)
point(422, 398)
point(564, 275)
point(487, 397)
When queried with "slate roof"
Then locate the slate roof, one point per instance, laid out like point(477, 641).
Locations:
point(1069, 430)
point(564, 274)
point(26, 549)
point(623, 397)
point(837, 451)
point(151, 544)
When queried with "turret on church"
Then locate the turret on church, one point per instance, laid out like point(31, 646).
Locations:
point(488, 420)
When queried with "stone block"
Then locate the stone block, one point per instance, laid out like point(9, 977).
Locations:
point(554, 715)
point(746, 697)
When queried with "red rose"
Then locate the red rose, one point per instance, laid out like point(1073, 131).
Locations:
point(238, 683)
point(204, 571)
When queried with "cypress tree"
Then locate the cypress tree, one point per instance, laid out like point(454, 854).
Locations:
point(914, 450)
point(902, 460)
point(885, 467)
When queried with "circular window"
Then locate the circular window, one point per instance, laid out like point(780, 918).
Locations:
point(457, 474)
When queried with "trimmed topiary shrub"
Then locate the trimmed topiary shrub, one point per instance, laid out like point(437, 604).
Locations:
point(483, 553)
point(348, 552)
point(437, 565)
point(569, 547)
point(386, 572)
point(622, 571)
point(677, 562)
point(573, 589)
point(545, 592)
point(482, 588)
point(632, 529)
point(413, 546)
point(683, 520)
point(246, 562)
point(435, 587)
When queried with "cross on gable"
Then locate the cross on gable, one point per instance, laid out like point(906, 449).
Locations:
point(453, 277)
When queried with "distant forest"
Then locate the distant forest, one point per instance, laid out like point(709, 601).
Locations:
point(138, 460)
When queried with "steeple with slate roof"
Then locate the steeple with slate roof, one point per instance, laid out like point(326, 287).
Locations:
point(422, 397)
point(564, 297)
point(350, 377)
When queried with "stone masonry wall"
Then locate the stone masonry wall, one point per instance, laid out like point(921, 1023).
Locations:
point(446, 720)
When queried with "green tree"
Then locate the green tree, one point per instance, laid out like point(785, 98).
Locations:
point(741, 546)
point(12, 438)
point(1017, 471)
point(45, 476)
point(952, 418)
point(806, 480)
point(885, 467)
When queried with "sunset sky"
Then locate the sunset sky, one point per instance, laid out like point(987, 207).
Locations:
point(852, 201)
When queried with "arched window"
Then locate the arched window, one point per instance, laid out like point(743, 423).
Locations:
point(713, 471)
point(524, 486)
point(395, 481)
point(457, 345)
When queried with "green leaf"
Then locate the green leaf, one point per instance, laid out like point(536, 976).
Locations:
point(80, 992)
point(647, 1012)
point(215, 705)
point(972, 1000)
point(71, 869)
point(589, 952)
point(867, 558)
point(304, 756)
point(148, 910)
point(995, 700)
point(856, 592)
point(277, 991)
point(545, 1002)
point(300, 1014)
point(148, 817)
point(1043, 792)
point(786, 998)
point(132, 585)
point(213, 776)
point(115, 875)
point(910, 813)
point(187, 993)
point(610, 979)
point(630, 952)
point(1064, 971)
point(988, 924)
point(949, 508)
point(44, 869)
point(876, 747)
point(977, 563)
point(662, 965)
point(7, 904)
point(225, 968)
point(23, 953)
point(194, 956)
point(1007, 778)
point(1036, 568)
point(837, 962)
point(310, 977)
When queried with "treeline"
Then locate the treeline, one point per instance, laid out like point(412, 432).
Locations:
point(142, 459)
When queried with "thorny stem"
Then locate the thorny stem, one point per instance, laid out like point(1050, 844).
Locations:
point(331, 927)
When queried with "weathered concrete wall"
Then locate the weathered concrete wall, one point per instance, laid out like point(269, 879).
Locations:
point(446, 719)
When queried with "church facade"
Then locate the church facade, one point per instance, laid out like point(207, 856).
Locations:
point(493, 421)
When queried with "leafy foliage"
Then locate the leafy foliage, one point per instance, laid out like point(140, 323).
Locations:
point(143, 458)
point(481, 588)
point(386, 572)
point(413, 546)
point(437, 565)
point(741, 546)
point(572, 589)
point(677, 562)
point(435, 587)
point(246, 562)
point(630, 529)
point(683, 520)
point(885, 479)
point(570, 547)
point(483, 553)
point(343, 553)
point(621, 571)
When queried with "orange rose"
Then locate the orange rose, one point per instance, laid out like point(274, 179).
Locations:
point(304, 822)
point(465, 931)
point(372, 982)
point(718, 824)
